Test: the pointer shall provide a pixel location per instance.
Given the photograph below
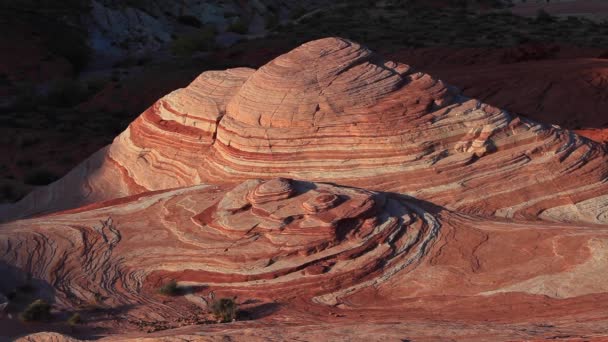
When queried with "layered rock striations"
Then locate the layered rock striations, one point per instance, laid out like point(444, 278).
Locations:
point(331, 110)
point(316, 250)
point(260, 235)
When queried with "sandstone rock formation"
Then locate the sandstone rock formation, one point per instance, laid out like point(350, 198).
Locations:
point(331, 110)
point(316, 252)
point(539, 82)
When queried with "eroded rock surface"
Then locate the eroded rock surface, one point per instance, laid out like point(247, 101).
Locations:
point(298, 253)
point(331, 110)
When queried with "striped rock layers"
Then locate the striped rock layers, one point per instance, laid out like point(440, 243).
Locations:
point(313, 248)
point(331, 110)
point(280, 235)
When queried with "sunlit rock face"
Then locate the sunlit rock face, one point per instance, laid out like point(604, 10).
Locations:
point(316, 252)
point(331, 110)
point(280, 234)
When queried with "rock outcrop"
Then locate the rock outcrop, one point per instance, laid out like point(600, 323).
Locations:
point(535, 81)
point(264, 234)
point(331, 110)
point(315, 252)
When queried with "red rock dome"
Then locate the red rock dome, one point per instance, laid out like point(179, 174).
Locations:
point(333, 111)
point(316, 85)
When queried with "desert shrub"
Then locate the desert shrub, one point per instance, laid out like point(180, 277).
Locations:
point(189, 21)
point(69, 43)
point(224, 309)
point(169, 289)
point(40, 177)
point(131, 61)
point(543, 17)
point(271, 20)
point(96, 85)
point(27, 97)
point(239, 26)
point(94, 303)
point(75, 319)
point(66, 93)
point(202, 40)
point(98, 298)
point(297, 13)
point(39, 310)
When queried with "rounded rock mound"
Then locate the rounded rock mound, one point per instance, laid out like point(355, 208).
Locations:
point(333, 111)
point(256, 237)
point(316, 85)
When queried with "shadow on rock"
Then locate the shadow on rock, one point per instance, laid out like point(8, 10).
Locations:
point(258, 311)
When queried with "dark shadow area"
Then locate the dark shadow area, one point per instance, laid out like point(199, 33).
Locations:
point(22, 290)
point(190, 289)
point(51, 78)
point(258, 311)
point(251, 301)
point(427, 206)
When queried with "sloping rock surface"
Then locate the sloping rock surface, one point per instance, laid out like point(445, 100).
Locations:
point(331, 110)
point(346, 260)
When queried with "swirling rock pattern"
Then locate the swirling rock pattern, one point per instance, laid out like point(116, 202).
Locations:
point(232, 239)
point(331, 110)
point(345, 256)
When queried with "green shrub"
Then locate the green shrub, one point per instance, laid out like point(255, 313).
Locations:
point(39, 310)
point(94, 303)
point(202, 40)
point(239, 26)
point(224, 309)
point(169, 289)
point(75, 319)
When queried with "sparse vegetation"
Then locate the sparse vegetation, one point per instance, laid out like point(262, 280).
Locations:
point(224, 309)
point(240, 26)
point(94, 303)
point(72, 46)
point(402, 23)
point(543, 16)
point(39, 310)
point(202, 40)
point(297, 13)
point(74, 320)
point(189, 20)
point(66, 93)
point(169, 289)
point(27, 97)
point(59, 26)
point(271, 21)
